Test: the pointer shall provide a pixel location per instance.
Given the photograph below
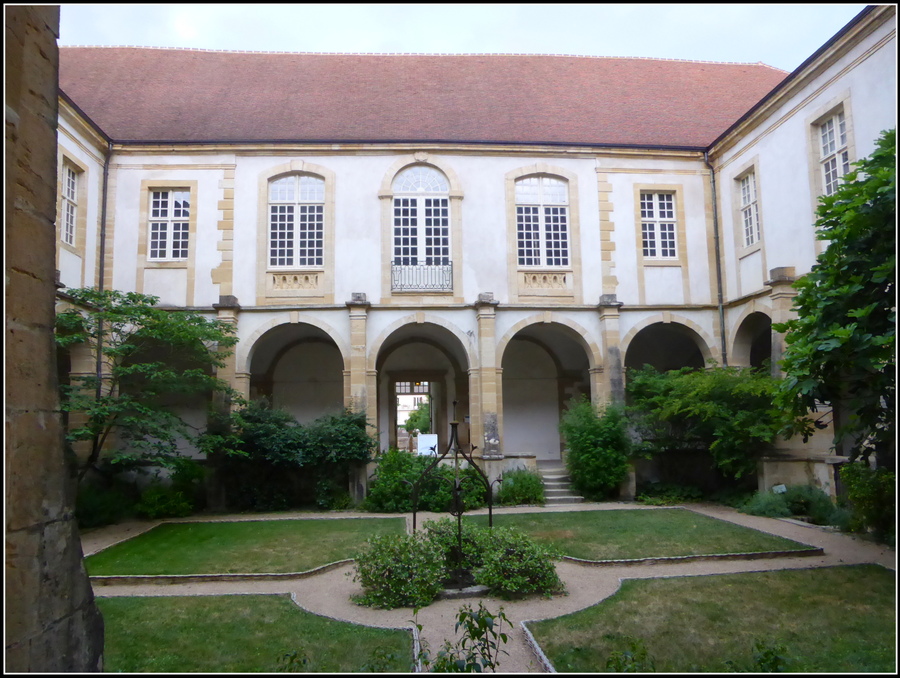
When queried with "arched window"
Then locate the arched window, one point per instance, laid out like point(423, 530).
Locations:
point(296, 221)
point(542, 221)
point(420, 254)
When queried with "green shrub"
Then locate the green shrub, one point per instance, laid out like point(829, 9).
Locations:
point(872, 498)
point(514, 565)
point(521, 486)
point(806, 500)
point(399, 571)
point(767, 504)
point(443, 533)
point(598, 448)
point(733, 497)
point(96, 506)
point(187, 476)
point(331, 495)
point(158, 501)
point(391, 489)
point(665, 494)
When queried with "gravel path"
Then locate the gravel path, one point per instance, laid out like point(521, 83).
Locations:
point(328, 593)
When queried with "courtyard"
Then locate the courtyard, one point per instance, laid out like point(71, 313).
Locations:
point(796, 548)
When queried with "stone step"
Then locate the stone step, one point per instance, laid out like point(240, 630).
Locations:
point(558, 501)
point(559, 492)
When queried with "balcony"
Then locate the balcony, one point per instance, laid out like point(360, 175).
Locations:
point(422, 278)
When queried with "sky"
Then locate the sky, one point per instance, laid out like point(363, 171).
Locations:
point(780, 35)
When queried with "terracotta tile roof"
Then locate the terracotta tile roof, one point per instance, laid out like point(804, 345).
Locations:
point(153, 94)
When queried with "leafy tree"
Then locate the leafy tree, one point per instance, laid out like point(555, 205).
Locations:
point(419, 419)
point(149, 359)
point(726, 410)
point(840, 347)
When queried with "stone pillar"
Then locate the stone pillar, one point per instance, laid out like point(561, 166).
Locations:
point(52, 623)
point(228, 309)
point(782, 295)
point(608, 380)
point(358, 387)
point(486, 430)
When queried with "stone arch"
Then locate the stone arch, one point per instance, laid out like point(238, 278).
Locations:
point(246, 347)
point(683, 342)
point(425, 349)
point(579, 333)
point(752, 342)
point(420, 318)
point(545, 361)
point(420, 158)
point(300, 367)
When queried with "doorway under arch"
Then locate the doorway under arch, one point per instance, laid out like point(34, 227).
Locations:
point(423, 353)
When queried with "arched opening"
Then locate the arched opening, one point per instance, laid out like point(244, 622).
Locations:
point(544, 366)
point(753, 341)
point(298, 368)
point(422, 360)
point(665, 346)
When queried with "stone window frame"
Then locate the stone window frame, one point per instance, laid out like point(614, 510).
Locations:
point(67, 161)
point(148, 186)
point(278, 284)
point(541, 283)
point(748, 169)
point(386, 197)
point(677, 193)
point(169, 222)
point(839, 105)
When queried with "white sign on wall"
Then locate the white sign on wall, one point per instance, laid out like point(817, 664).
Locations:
point(426, 442)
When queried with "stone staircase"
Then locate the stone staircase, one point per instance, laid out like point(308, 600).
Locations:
point(557, 490)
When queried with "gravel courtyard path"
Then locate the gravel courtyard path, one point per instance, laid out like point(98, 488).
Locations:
point(328, 593)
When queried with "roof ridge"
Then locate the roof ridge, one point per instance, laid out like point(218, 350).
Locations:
point(461, 54)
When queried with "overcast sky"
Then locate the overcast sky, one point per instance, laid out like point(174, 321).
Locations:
point(781, 35)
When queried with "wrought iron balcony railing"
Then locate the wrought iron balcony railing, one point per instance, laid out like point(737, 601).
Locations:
point(422, 278)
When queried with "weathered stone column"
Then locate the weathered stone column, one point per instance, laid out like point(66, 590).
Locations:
point(357, 397)
point(52, 623)
point(359, 384)
point(227, 311)
point(608, 380)
point(486, 430)
point(782, 295)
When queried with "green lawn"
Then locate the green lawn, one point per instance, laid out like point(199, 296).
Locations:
point(243, 633)
point(836, 619)
point(616, 534)
point(240, 547)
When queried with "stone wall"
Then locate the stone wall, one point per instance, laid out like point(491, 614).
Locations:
point(52, 623)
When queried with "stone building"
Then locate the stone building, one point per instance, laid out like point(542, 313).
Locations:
point(51, 622)
point(513, 230)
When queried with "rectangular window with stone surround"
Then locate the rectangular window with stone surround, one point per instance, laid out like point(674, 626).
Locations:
point(169, 222)
point(658, 226)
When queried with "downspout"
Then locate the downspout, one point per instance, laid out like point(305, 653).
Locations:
point(101, 268)
point(719, 301)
